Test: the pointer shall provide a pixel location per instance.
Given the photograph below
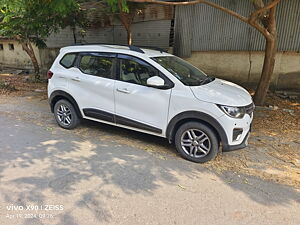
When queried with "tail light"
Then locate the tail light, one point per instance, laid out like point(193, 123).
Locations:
point(49, 74)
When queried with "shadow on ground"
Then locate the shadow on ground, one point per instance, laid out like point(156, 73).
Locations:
point(39, 161)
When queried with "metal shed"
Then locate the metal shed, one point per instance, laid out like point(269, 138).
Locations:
point(203, 28)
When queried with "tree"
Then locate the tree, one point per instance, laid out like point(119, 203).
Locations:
point(263, 19)
point(126, 12)
point(31, 21)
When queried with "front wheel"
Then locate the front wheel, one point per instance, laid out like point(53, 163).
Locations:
point(196, 142)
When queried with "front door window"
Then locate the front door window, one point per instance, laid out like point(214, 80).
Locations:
point(136, 71)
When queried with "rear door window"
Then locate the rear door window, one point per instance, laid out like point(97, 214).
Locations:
point(98, 64)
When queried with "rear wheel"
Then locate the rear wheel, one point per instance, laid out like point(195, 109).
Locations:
point(196, 142)
point(65, 114)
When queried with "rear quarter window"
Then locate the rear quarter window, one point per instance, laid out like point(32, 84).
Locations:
point(68, 60)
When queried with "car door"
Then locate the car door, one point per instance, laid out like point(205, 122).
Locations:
point(137, 105)
point(93, 85)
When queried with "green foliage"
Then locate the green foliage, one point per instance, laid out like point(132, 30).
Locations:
point(115, 7)
point(34, 20)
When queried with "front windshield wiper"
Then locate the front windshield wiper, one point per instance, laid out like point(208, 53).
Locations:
point(207, 80)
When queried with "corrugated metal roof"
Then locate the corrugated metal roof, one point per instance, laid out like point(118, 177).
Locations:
point(214, 30)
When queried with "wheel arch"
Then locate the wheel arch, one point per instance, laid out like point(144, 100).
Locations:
point(201, 117)
point(58, 95)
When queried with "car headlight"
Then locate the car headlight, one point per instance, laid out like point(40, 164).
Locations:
point(233, 111)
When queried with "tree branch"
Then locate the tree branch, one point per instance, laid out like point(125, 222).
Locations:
point(260, 28)
point(168, 3)
point(258, 4)
point(122, 16)
point(256, 13)
point(236, 15)
point(251, 20)
point(272, 21)
point(263, 16)
point(240, 17)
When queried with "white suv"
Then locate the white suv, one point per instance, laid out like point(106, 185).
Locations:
point(152, 92)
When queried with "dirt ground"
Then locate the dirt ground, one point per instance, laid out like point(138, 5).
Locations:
point(274, 146)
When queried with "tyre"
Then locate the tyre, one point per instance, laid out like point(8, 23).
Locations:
point(65, 114)
point(196, 142)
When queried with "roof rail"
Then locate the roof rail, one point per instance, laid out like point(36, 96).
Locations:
point(131, 47)
point(135, 48)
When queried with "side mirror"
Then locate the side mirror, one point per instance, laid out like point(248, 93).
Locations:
point(155, 81)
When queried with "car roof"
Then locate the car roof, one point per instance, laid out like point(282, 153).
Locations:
point(122, 49)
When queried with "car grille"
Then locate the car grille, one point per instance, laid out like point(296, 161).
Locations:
point(249, 109)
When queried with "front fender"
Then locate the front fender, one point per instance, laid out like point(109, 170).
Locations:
point(183, 117)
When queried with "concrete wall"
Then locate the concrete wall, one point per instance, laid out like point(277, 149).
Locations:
point(47, 57)
point(16, 58)
point(245, 67)
point(240, 67)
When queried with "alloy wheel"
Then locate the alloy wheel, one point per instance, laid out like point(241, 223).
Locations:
point(195, 143)
point(64, 115)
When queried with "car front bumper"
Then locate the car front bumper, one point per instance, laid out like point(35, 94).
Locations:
point(237, 132)
point(244, 144)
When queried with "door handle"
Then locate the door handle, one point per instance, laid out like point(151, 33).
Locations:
point(76, 79)
point(123, 90)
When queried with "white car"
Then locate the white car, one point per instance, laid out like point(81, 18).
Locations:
point(153, 92)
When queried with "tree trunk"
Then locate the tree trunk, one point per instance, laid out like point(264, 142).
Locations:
point(126, 20)
point(30, 52)
point(129, 35)
point(269, 61)
point(127, 25)
point(267, 71)
point(74, 34)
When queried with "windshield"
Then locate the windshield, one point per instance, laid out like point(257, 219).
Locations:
point(183, 71)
